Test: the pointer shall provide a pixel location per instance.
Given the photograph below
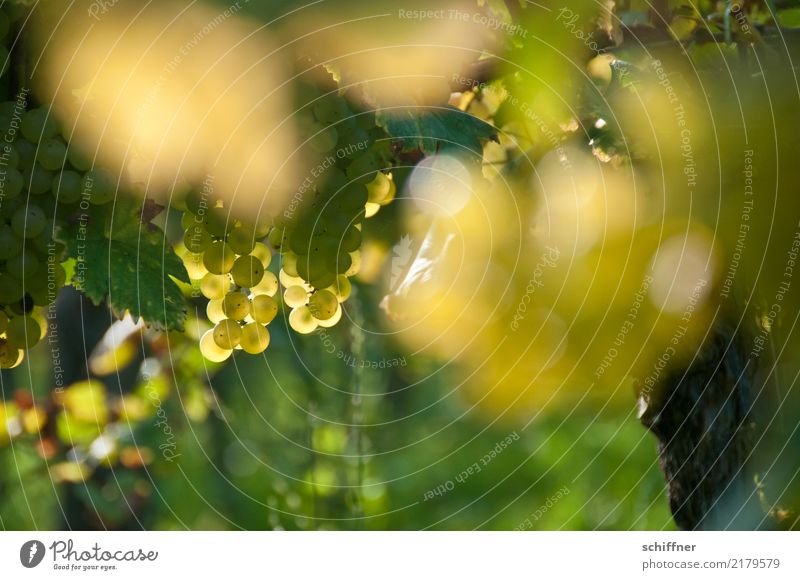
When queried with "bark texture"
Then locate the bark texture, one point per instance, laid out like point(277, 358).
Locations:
point(703, 419)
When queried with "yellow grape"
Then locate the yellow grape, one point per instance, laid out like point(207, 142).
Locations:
point(255, 338)
point(301, 320)
point(355, 267)
point(268, 285)
point(219, 258)
point(215, 287)
point(263, 309)
point(288, 280)
point(247, 271)
point(342, 288)
point(263, 253)
point(236, 306)
point(227, 334)
point(211, 350)
point(10, 355)
point(295, 296)
point(323, 304)
point(379, 188)
point(391, 195)
point(194, 266)
point(333, 320)
point(214, 311)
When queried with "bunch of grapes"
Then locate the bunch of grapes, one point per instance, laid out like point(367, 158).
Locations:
point(43, 181)
point(318, 244)
point(228, 264)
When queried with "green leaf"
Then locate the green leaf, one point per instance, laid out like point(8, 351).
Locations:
point(130, 263)
point(429, 130)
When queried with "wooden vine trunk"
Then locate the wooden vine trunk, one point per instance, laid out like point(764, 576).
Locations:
point(704, 421)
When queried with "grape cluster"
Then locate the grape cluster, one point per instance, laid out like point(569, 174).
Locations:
point(42, 180)
point(318, 243)
point(320, 247)
point(228, 265)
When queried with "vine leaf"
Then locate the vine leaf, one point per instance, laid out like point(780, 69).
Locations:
point(129, 262)
point(429, 130)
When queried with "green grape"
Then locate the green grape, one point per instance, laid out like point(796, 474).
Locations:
point(38, 179)
point(11, 184)
point(52, 154)
point(289, 263)
point(77, 159)
point(323, 305)
point(331, 108)
point(262, 227)
point(38, 125)
point(242, 240)
point(378, 188)
point(343, 263)
point(10, 289)
point(351, 240)
point(9, 155)
point(67, 186)
point(333, 320)
point(23, 331)
point(263, 309)
point(267, 286)
point(351, 143)
point(276, 238)
point(295, 296)
point(27, 153)
point(261, 251)
point(23, 266)
point(196, 239)
point(247, 271)
point(211, 350)
point(215, 286)
point(334, 180)
point(363, 168)
point(341, 288)
point(255, 338)
point(301, 320)
point(301, 239)
point(214, 311)
point(323, 138)
point(28, 221)
point(236, 306)
point(216, 221)
point(227, 334)
point(219, 258)
point(3, 321)
point(100, 185)
point(352, 199)
point(188, 220)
